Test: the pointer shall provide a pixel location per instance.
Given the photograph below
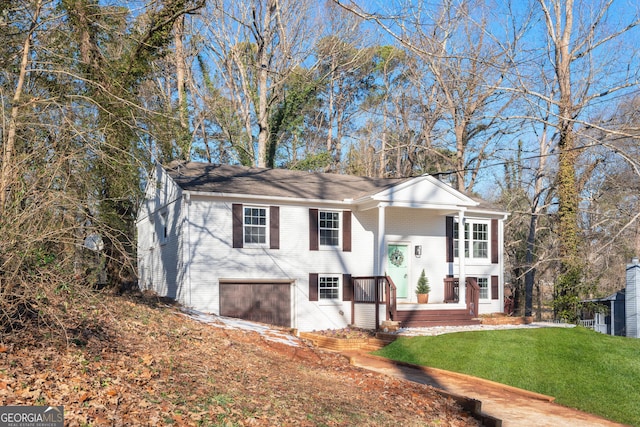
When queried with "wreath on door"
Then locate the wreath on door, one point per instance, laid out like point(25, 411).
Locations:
point(397, 258)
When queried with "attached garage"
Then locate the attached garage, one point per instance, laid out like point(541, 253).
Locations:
point(258, 301)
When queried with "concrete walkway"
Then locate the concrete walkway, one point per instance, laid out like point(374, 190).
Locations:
point(508, 406)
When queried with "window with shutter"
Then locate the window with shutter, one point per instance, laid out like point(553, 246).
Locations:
point(328, 230)
point(256, 226)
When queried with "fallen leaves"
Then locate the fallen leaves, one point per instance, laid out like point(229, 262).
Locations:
point(149, 366)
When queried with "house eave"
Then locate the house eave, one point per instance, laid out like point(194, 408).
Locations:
point(373, 203)
point(258, 197)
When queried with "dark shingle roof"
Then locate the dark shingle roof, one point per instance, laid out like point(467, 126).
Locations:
point(206, 177)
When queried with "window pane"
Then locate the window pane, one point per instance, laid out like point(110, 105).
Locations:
point(480, 250)
point(483, 283)
point(329, 228)
point(456, 238)
point(480, 232)
point(480, 240)
point(328, 287)
point(255, 225)
point(254, 235)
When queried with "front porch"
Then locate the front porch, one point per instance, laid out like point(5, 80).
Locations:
point(374, 300)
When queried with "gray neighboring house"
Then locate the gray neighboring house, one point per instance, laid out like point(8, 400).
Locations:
point(607, 315)
point(620, 312)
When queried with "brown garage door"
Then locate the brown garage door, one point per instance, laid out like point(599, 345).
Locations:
point(259, 302)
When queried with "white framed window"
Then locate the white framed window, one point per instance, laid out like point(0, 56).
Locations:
point(255, 227)
point(483, 284)
point(328, 287)
point(163, 232)
point(476, 239)
point(456, 238)
point(329, 228)
point(480, 239)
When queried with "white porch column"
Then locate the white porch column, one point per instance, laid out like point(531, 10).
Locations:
point(382, 241)
point(461, 259)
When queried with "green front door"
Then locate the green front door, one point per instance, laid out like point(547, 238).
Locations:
point(398, 268)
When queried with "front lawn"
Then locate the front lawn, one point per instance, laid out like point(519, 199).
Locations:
point(581, 368)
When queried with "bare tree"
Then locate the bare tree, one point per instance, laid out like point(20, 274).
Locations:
point(467, 65)
point(255, 46)
point(587, 55)
point(8, 170)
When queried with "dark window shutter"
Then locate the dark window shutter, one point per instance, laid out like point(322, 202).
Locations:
point(313, 229)
point(449, 234)
point(347, 288)
point(346, 231)
point(494, 241)
point(494, 287)
point(238, 237)
point(274, 227)
point(313, 286)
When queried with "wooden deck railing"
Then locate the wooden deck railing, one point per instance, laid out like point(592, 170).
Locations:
point(375, 290)
point(473, 296)
point(452, 293)
point(392, 303)
point(451, 289)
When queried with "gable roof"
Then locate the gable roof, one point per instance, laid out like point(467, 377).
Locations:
point(211, 178)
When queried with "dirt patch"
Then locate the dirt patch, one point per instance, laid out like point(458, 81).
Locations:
point(133, 361)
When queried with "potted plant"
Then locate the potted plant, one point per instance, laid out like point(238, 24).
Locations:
point(423, 289)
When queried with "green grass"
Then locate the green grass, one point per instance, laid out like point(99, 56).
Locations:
point(583, 369)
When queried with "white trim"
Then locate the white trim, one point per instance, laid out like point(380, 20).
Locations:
point(266, 226)
point(488, 288)
point(322, 247)
point(330, 301)
point(462, 240)
point(388, 193)
point(269, 199)
point(382, 244)
point(238, 281)
point(462, 278)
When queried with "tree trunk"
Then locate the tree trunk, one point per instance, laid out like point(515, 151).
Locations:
point(184, 140)
point(264, 40)
point(8, 169)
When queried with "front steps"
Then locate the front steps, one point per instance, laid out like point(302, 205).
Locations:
point(429, 318)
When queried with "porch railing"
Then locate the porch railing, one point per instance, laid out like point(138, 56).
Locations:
point(375, 290)
point(452, 293)
point(451, 289)
point(587, 323)
point(473, 296)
